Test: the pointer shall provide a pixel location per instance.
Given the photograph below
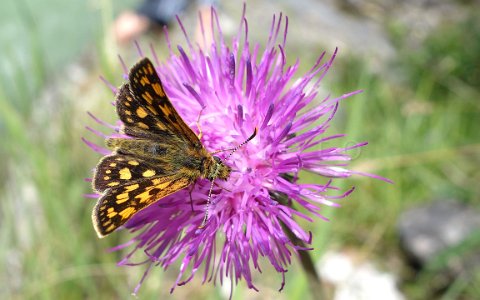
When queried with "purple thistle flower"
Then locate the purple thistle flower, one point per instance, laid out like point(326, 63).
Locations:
point(237, 88)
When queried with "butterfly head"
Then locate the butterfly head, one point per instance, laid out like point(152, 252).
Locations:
point(217, 169)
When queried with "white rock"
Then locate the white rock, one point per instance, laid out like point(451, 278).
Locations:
point(354, 281)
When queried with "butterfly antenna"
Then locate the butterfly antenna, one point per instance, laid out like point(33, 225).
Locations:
point(205, 217)
point(242, 144)
point(236, 148)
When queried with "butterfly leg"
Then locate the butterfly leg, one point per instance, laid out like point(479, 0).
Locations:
point(190, 194)
point(200, 133)
point(221, 187)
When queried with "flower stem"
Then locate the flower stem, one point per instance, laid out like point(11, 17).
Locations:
point(316, 287)
point(314, 281)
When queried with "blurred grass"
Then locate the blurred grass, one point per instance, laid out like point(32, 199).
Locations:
point(422, 128)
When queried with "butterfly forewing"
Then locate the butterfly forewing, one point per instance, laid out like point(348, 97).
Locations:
point(147, 88)
point(138, 118)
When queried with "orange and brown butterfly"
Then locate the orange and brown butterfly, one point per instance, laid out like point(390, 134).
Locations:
point(159, 156)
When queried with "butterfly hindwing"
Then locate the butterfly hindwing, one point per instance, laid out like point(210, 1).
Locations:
point(118, 204)
point(117, 170)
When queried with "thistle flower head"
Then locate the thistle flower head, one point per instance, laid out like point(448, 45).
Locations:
point(235, 88)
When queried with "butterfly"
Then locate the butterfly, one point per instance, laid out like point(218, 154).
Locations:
point(159, 155)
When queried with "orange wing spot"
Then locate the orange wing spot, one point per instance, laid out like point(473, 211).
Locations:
point(106, 178)
point(158, 89)
point(156, 181)
point(152, 109)
point(110, 228)
point(131, 187)
point(108, 171)
point(142, 125)
point(149, 70)
point(161, 125)
point(148, 173)
point(125, 173)
point(127, 212)
point(147, 97)
point(166, 111)
point(144, 80)
point(121, 198)
point(120, 201)
point(144, 197)
point(113, 164)
point(127, 104)
point(163, 185)
point(141, 113)
point(129, 120)
point(127, 112)
point(110, 214)
point(113, 183)
point(133, 162)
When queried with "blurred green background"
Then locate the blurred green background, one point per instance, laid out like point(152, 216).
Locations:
point(420, 113)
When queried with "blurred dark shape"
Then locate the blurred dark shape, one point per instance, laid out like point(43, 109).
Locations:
point(427, 231)
point(442, 241)
point(151, 14)
point(162, 12)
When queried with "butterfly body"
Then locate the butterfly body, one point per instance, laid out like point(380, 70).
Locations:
point(158, 156)
point(200, 163)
